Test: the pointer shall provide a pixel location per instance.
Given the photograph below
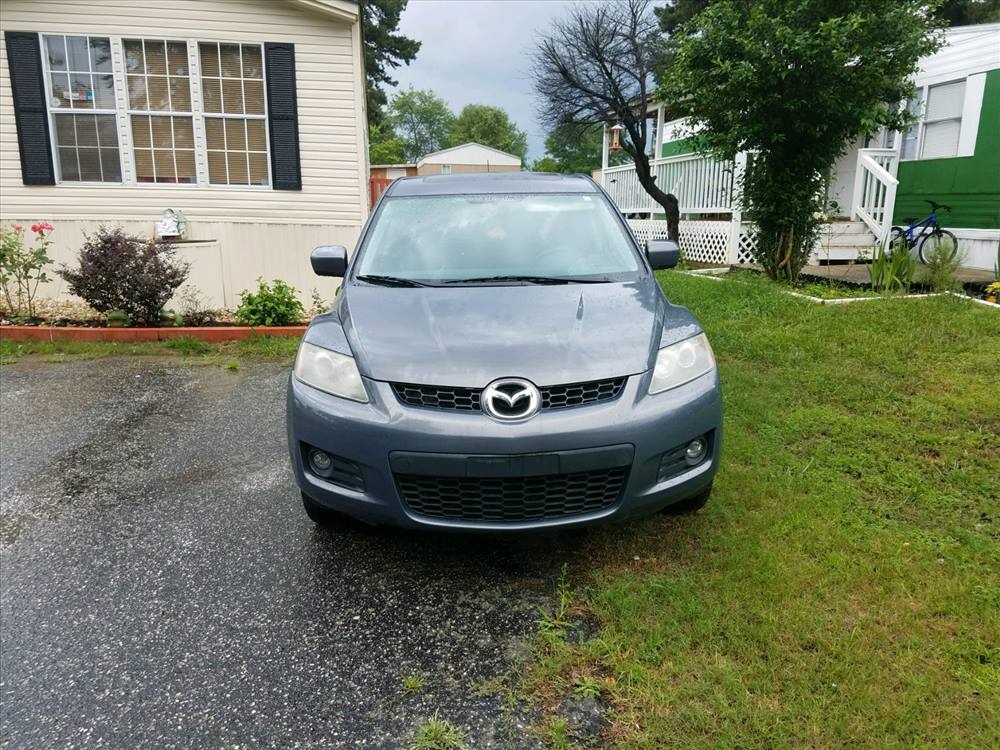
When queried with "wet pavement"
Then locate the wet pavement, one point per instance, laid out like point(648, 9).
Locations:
point(161, 587)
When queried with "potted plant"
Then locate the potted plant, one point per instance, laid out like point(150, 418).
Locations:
point(992, 292)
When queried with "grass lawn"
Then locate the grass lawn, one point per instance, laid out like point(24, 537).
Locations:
point(188, 350)
point(842, 587)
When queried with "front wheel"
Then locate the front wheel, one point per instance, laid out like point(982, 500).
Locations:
point(318, 514)
point(940, 244)
point(690, 504)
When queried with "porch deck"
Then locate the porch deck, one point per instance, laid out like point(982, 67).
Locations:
point(858, 273)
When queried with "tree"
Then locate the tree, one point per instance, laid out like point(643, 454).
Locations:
point(574, 149)
point(489, 126)
point(794, 81)
point(545, 164)
point(968, 12)
point(676, 13)
point(595, 67)
point(384, 147)
point(421, 120)
point(385, 50)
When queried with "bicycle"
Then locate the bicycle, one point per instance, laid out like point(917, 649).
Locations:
point(929, 230)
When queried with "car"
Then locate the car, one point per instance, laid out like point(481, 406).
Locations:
point(500, 357)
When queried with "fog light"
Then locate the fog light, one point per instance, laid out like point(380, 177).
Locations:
point(695, 451)
point(321, 462)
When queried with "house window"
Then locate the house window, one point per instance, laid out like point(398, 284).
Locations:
point(159, 108)
point(235, 113)
point(938, 130)
point(446, 169)
point(81, 93)
point(943, 120)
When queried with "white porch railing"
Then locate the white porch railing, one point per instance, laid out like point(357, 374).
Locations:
point(875, 189)
point(700, 183)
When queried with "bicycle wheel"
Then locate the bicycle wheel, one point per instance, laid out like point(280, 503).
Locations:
point(940, 241)
point(897, 238)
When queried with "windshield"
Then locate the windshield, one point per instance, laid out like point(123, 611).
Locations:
point(475, 238)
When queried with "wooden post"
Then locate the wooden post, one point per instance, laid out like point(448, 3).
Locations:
point(736, 217)
point(657, 153)
point(604, 152)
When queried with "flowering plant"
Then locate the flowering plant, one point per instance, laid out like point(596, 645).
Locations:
point(22, 266)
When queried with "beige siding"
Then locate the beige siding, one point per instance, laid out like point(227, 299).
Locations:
point(331, 143)
point(251, 231)
point(425, 169)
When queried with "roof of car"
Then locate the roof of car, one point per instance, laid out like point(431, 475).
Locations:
point(491, 182)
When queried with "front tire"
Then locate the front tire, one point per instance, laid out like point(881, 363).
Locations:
point(318, 514)
point(690, 504)
point(941, 240)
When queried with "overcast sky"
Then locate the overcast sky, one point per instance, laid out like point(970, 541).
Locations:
point(476, 52)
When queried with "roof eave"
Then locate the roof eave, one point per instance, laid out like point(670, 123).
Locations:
point(342, 10)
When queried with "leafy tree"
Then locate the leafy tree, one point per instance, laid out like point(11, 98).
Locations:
point(968, 12)
point(384, 147)
point(385, 50)
point(572, 149)
point(595, 67)
point(545, 164)
point(421, 120)
point(794, 81)
point(674, 14)
point(489, 126)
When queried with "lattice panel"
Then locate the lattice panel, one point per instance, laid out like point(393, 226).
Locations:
point(700, 241)
point(748, 244)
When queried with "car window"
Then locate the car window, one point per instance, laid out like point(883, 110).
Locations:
point(454, 237)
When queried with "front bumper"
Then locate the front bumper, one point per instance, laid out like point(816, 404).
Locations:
point(374, 435)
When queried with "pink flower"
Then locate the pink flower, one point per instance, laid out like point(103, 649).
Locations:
point(42, 227)
point(17, 227)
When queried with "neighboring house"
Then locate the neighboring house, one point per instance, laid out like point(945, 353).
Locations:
point(952, 155)
point(469, 157)
point(246, 115)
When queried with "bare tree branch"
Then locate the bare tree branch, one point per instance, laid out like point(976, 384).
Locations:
point(594, 67)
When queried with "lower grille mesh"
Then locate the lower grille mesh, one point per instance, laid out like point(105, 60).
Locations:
point(512, 498)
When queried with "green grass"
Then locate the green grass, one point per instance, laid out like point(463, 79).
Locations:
point(842, 587)
point(188, 350)
point(438, 734)
point(412, 683)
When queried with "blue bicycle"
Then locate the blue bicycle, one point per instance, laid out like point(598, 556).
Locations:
point(926, 236)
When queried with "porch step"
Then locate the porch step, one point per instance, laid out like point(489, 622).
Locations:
point(843, 240)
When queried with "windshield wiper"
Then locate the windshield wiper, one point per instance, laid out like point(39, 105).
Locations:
point(529, 280)
point(389, 280)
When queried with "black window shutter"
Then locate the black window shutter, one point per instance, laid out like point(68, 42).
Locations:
point(282, 116)
point(27, 87)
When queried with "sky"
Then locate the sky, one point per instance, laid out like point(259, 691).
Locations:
point(478, 52)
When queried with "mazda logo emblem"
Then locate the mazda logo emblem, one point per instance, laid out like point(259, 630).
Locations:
point(510, 399)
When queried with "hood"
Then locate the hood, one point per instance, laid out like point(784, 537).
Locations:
point(470, 335)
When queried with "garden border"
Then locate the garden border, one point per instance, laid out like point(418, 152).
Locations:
point(715, 274)
point(210, 334)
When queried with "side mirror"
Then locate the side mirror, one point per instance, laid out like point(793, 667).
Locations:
point(329, 260)
point(663, 253)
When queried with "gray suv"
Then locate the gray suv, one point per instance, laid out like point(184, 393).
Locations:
point(501, 357)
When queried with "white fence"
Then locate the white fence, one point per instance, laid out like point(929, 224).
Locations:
point(875, 189)
point(700, 183)
point(715, 242)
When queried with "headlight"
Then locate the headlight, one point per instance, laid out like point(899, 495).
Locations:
point(329, 371)
point(681, 363)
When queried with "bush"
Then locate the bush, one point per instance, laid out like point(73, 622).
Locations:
point(943, 262)
point(121, 272)
point(195, 312)
point(22, 268)
point(272, 305)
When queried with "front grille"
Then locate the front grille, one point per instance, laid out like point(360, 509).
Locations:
point(512, 498)
point(467, 399)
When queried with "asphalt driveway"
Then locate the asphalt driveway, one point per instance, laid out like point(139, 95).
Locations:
point(161, 586)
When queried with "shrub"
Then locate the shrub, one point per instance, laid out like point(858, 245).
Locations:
point(121, 272)
point(273, 304)
point(22, 268)
point(194, 310)
point(892, 267)
point(943, 261)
